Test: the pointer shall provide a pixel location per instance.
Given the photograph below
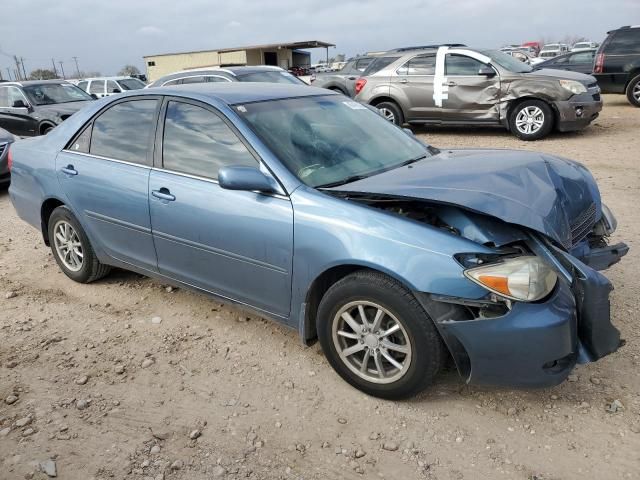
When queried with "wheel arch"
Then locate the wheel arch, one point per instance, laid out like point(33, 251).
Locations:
point(46, 209)
point(633, 73)
point(319, 286)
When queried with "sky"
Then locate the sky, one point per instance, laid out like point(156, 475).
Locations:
point(106, 35)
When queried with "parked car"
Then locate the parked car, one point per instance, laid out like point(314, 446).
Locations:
point(6, 139)
point(579, 46)
point(520, 55)
point(551, 50)
point(464, 86)
point(536, 46)
point(343, 80)
point(260, 73)
point(580, 61)
point(35, 107)
point(313, 210)
point(105, 86)
point(617, 65)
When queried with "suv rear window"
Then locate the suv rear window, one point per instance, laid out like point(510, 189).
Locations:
point(624, 42)
point(378, 64)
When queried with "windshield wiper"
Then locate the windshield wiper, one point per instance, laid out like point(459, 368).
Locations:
point(410, 161)
point(353, 178)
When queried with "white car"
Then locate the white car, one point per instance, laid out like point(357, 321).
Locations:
point(581, 46)
point(551, 50)
point(105, 86)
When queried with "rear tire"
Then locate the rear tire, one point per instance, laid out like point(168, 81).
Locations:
point(71, 248)
point(531, 120)
point(391, 111)
point(387, 365)
point(633, 91)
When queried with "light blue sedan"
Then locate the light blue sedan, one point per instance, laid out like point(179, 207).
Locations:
point(313, 210)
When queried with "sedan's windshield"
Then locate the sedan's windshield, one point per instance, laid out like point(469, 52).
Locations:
point(506, 61)
point(330, 140)
point(131, 84)
point(52, 93)
point(270, 77)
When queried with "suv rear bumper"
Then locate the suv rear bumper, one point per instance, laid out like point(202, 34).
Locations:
point(577, 112)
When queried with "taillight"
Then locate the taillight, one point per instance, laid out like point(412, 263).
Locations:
point(599, 66)
point(9, 158)
point(360, 83)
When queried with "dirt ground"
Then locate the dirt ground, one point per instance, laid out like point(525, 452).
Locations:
point(88, 380)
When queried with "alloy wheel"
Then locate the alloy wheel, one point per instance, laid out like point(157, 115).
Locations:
point(371, 342)
point(529, 120)
point(388, 114)
point(68, 245)
point(636, 92)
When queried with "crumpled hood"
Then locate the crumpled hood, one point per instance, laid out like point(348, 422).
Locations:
point(534, 190)
point(562, 74)
point(59, 109)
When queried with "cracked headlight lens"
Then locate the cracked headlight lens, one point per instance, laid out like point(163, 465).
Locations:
point(573, 86)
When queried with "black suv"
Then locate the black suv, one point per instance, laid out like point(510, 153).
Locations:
point(617, 65)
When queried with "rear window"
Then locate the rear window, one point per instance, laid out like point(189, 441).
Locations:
point(624, 42)
point(378, 64)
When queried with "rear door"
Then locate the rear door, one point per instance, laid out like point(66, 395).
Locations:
point(236, 244)
point(622, 51)
point(104, 173)
point(471, 97)
point(412, 84)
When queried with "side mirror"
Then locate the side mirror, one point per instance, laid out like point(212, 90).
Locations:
point(94, 96)
point(20, 104)
point(487, 71)
point(116, 90)
point(245, 178)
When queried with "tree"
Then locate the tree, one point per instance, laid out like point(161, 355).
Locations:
point(42, 74)
point(129, 70)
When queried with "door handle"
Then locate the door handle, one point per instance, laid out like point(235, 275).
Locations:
point(404, 80)
point(69, 170)
point(451, 84)
point(163, 194)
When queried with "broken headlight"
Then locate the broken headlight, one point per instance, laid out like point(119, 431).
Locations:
point(524, 278)
point(573, 86)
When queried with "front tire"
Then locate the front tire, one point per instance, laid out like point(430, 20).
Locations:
point(71, 248)
point(377, 336)
point(391, 112)
point(633, 91)
point(531, 120)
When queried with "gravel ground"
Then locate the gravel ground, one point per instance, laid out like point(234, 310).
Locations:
point(129, 378)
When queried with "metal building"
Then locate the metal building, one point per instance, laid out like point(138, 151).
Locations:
point(285, 55)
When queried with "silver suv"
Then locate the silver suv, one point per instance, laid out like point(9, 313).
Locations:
point(464, 86)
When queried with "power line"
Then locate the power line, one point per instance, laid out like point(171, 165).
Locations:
point(62, 70)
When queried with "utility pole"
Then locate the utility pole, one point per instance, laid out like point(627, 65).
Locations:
point(23, 70)
point(62, 70)
point(19, 75)
point(77, 68)
point(9, 73)
point(53, 62)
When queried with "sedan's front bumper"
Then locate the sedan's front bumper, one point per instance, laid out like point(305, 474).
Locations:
point(536, 344)
point(579, 111)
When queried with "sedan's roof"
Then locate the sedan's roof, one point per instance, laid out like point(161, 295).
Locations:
point(26, 83)
point(233, 93)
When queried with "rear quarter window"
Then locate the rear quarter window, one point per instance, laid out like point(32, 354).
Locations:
point(378, 64)
point(624, 42)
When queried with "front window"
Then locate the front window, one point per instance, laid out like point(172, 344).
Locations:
point(270, 77)
point(131, 84)
point(52, 93)
point(329, 140)
point(507, 61)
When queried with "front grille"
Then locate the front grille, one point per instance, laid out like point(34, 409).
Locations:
point(3, 146)
point(593, 85)
point(596, 97)
point(582, 226)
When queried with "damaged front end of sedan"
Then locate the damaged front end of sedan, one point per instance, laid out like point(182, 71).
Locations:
point(546, 305)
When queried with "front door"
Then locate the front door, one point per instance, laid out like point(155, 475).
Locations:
point(472, 97)
point(236, 244)
point(414, 84)
point(16, 120)
point(104, 173)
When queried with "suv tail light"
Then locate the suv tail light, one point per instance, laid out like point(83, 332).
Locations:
point(599, 65)
point(360, 83)
point(9, 158)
